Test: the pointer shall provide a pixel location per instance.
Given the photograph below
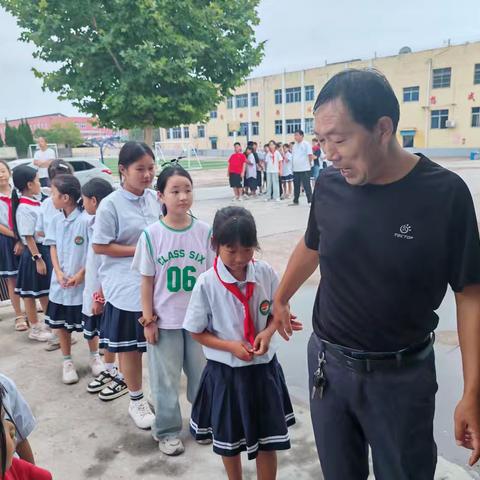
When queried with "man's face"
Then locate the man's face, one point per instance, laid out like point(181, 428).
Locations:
point(348, 145)
point(298, 138)
point(238, 148)
point(42, 143)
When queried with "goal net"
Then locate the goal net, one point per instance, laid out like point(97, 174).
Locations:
point(169, 150)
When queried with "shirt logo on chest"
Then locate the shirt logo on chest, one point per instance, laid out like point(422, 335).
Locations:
point(405, 231)
point(79, 240)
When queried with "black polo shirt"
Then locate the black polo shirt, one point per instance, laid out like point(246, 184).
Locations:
point(387, 253)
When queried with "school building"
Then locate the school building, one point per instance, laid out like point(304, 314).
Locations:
point(438, 91)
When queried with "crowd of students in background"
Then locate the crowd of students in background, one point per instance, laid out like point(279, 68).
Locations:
point(278, 171)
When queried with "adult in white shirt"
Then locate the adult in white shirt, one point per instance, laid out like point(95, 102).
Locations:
point(273, 166)
point(42, 159)
point(302, 164)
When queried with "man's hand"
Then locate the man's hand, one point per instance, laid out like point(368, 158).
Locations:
point(262, 342)
point(151, 333)
point(242, 351)
point(467, 426)
point(286, 323)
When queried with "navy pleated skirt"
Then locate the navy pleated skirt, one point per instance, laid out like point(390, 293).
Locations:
point(29, 282)
point(120, 330)
point(68, 317)
point(91, 327)
point(8, 260)
point(243, 409)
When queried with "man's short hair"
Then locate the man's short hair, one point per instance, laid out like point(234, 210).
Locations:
point(367, 94)
point(299, 131)
point(237, 143)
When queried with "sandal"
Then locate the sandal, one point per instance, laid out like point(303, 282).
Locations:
point(21, 324)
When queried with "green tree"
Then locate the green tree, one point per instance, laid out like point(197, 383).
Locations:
point(26, 132)
point(1, 141)
point(64, 133)
point(10, 135)
point(142, 63)
point(21, 141)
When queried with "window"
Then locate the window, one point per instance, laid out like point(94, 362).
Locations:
point(241, 101)
point(201, 131)
point(278, 127)
point(411, 94)
point(230, 102)
point(441, 77)
point(186, 132)
point(213, 114)
point(255, 128)
point(80, 166)
point(293, 95)
point(309, 93)
point(309, 126)
point(439, 119)
point(243, 129)
point(476, 117)
point(476, 75)
point(407, 141)
point(169, 133)
point(293, 125)
point(176, 132)
point(254, 99)
point(278, 96)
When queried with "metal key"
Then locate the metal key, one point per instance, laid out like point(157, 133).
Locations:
point(319, 380)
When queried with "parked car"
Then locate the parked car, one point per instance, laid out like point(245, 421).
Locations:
point(85, 168)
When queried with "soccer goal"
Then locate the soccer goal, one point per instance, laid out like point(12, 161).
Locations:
point(184, 151)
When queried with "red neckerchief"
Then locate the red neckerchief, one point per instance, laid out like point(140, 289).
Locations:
point(248, 326)
point(8, 201)
point(29, 201)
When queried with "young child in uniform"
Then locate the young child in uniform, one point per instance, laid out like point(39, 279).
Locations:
point(35, 268)
point(119, 222)
point(250, 173)
point(109, 383)
point(67, 237)
point(170, 255)
point(47, 212)
point(243, 402)
point(12, 468)
point(10, 246)
point(287, 171)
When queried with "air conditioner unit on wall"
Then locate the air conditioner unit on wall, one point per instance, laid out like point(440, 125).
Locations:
point(450, 124)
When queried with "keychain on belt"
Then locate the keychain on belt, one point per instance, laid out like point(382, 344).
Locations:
point(319, 379)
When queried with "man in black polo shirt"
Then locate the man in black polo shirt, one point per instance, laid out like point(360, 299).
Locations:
point(391, 230)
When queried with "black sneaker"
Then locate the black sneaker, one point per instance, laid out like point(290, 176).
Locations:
point(98, 383)
point(116, 389)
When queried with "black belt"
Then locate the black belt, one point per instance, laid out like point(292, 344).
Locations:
point(369, 361)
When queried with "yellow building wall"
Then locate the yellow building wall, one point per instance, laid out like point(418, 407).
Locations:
point(405, 70)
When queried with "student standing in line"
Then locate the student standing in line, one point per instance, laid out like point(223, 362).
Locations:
point(273, 161)
point(287, 172)
point(236, 171)
point(35, 268)
point(250, 173)
point(119, 222)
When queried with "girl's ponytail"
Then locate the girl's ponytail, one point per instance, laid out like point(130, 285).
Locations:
point(15, 203)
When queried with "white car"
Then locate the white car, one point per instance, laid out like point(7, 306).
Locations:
point(85, 168)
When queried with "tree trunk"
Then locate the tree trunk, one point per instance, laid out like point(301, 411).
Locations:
point(148, 136)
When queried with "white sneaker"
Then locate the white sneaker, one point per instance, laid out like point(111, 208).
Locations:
point(171, 446)
point(69, 374)
point(141, 413)
point(53, 342)
point(97, 366)
point(36, 333)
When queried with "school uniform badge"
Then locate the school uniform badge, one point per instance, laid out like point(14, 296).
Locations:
point(79, 240)
point(265, 307)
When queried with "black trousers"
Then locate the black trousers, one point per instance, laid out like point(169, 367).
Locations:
point(301, 178)
point(392, 411)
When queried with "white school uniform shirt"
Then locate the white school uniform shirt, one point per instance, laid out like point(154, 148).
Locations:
point(287, 165)
point(4, 210)
point(272, 161)
point(92, 278)
point(215, 309)
point(301, 151)
point(251, 169)
point(27, 218)
point(121, 218)
point(47, 212)
point(70, 236)
point(176, 258)
point(47, 154)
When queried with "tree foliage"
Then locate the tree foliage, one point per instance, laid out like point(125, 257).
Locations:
point(142, 63)
point(64, 133)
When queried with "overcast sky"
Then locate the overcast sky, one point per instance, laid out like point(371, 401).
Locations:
point(299, 34)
